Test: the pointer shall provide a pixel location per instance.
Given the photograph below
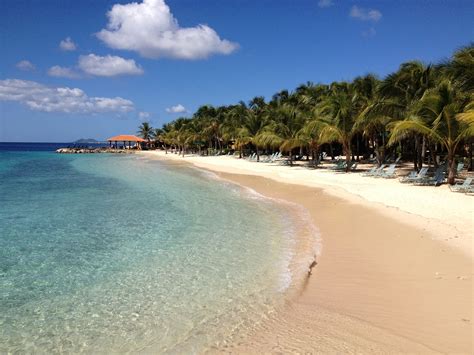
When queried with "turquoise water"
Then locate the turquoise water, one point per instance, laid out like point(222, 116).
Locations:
point(123, 253)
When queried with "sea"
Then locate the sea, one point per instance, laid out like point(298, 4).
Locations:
point(105, 253)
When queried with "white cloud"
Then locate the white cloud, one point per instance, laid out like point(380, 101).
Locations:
point(176, 109)
point(143, 115)
point(67, 44)
point(25, 65)
point(365, 14)
point(63, 72)
point(150, 29)
point(108, 66)
point(325, 3)
point(369, 33)
point(39, 97)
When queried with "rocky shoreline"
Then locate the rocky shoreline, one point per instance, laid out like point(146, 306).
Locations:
point(94, 150)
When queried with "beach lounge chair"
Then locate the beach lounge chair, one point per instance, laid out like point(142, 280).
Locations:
point(459, 168)
point(435, 180)
point(275, 157)
point(379, 171)
point(464, 187)
point(375, 171)
point(270, 158)
point(370, 172)
point(389, 173)
point(470, 190)
point(413, 176)
point(340, 165)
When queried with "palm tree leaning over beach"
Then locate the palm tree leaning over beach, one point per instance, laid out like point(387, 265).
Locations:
point(442, 115)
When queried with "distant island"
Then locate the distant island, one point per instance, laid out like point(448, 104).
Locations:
point(88, 141)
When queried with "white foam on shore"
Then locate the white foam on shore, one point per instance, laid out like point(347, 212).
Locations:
point(447, 216)
point(298, 229)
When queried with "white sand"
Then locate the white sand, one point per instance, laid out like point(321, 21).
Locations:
point(445, 215)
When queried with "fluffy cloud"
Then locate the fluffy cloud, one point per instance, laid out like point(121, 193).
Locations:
point(62, 72)
point(67, 44)
point(176, 109)
point(108, 66)
point(39, 97)
point(150, 29)
point(325, 3)
point(25, 65)
point(365, 14)
point(143, 115)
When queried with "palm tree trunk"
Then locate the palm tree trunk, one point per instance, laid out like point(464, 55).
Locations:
point(315, 152)
point(258, 154)
point(451, 168)
point(347, 151)
point(415, 153)
point(433, 155)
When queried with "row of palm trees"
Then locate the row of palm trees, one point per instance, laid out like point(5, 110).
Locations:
point(417, 110)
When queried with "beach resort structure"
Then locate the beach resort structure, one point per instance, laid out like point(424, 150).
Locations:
point(127, 141)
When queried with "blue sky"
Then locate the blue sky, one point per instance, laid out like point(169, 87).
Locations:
point(91, 68)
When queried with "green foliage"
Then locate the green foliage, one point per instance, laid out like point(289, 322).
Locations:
point(418, 100)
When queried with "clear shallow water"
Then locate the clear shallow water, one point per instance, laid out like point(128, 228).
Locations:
point(120, 253)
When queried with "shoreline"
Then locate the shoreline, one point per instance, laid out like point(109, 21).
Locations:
point(380, 284)
point(446, 216)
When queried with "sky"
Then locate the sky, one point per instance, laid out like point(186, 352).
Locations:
point(98, 68)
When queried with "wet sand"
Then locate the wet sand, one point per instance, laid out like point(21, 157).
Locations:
point(379, 285)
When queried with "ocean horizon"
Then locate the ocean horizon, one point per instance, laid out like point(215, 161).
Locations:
point(124, 253)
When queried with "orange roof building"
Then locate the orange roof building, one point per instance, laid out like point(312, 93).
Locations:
point(126, 138)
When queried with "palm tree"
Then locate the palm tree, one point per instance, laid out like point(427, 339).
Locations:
point(400, 93)
point(253, 122)
point(310, 134)
point(146, 131)
point(375, 114)
point(445, 116)
point(283, 130)
point(461, 68)
point(340, 108)
point(158, 136)
point(193, 134)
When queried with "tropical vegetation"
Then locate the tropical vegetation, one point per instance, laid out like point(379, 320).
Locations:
point(421, 112)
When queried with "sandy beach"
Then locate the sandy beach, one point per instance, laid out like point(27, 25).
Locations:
point(395, 271)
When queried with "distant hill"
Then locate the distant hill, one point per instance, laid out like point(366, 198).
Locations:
point(84, 141)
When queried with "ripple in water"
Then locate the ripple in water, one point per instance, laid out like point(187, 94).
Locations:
point(125, 254)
